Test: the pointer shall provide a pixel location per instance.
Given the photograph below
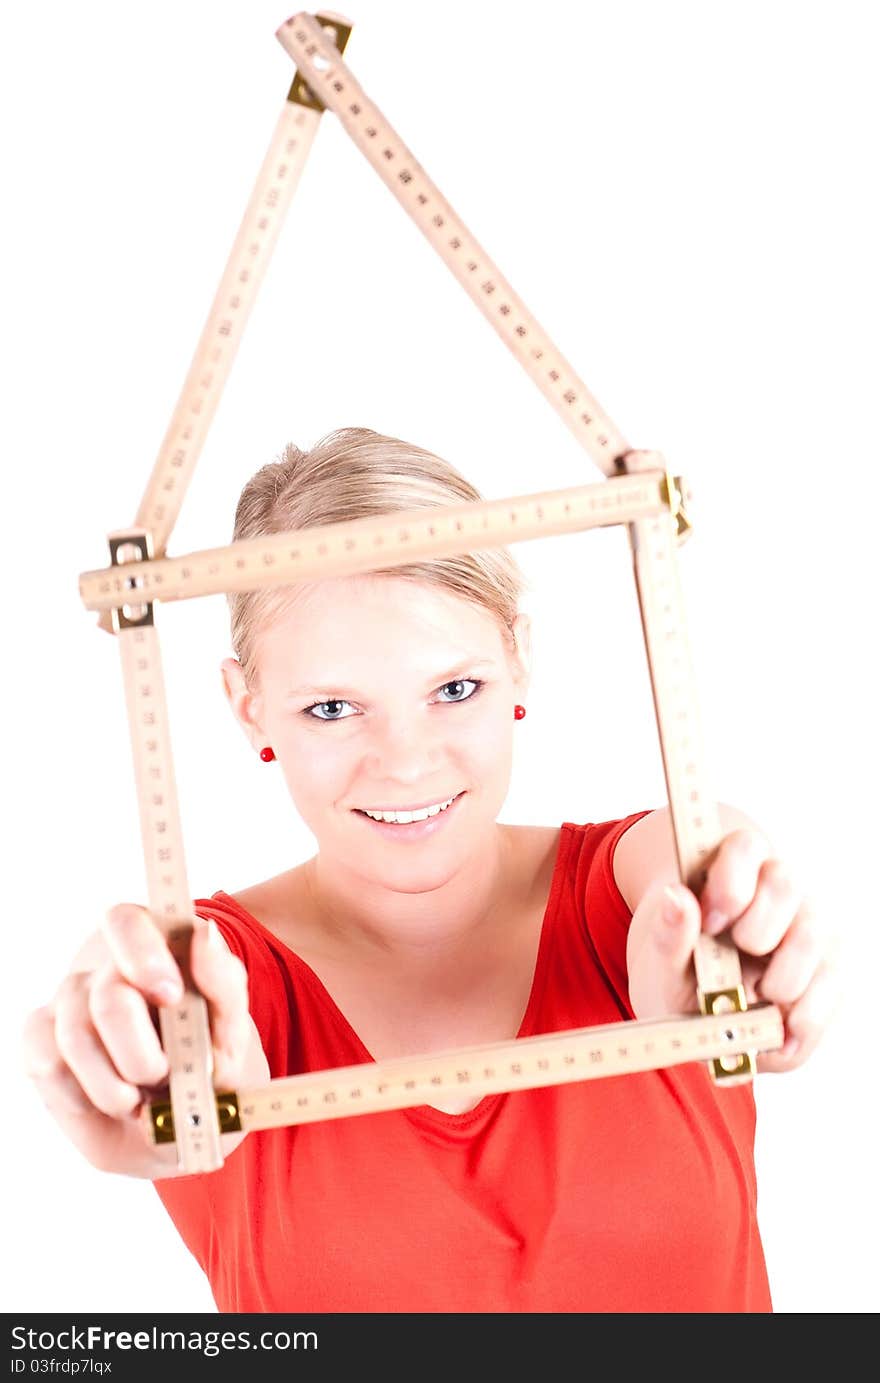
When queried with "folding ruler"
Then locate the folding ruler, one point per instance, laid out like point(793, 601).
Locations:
point(638, 490)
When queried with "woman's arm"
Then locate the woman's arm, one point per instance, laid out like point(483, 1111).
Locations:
point(645, 854)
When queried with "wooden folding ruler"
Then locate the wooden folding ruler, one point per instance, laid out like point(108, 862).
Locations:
point(638, 490)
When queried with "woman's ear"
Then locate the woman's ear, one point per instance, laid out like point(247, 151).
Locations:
point(522, 633)
point(246, 704)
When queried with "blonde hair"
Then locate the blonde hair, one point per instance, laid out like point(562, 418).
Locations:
point(354, 473)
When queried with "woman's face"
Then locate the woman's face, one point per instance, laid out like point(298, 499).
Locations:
point(387, 693)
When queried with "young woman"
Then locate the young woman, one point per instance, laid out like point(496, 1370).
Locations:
point(381, 697)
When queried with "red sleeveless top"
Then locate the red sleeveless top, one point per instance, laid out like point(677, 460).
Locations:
point(628, 1193)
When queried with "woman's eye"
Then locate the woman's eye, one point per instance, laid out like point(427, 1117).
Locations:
point(459, 682)
point(319, 705)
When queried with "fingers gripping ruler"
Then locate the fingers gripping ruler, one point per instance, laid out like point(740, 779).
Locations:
point(638, 490)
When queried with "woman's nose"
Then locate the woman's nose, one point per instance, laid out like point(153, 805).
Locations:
point(404, 749)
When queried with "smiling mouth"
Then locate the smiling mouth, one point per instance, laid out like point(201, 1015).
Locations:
point(452, 801)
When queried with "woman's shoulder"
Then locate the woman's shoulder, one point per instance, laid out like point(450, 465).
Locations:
point(267, 895)
point(609, 854)
point(280, 904)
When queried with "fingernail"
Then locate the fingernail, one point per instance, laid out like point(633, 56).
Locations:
point(715, 921)
point(790, 1046)
point(671, 907)
point(169, 991)
point(121, 913)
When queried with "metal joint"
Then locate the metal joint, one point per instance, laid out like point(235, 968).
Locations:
point(131, 547)
point(676, 498)
point(337, 30)
point(162, 1119)
point(739, 1065)
point(676, 492)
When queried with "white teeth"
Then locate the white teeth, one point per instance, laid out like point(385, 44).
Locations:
point(403, 817)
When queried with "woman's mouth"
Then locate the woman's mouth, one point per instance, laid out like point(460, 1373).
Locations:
point(412, 830)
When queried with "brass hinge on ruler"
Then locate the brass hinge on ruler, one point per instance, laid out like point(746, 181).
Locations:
point(734, 1068)
point(161, 1116)
point(339, 31)
point(677, 496)
point(135, 546)
point(676, 493)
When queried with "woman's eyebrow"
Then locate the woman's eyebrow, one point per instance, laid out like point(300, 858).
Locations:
point(334, 689)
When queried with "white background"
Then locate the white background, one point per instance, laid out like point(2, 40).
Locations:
point(684, 195)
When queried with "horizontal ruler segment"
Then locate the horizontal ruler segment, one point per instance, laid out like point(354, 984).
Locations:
point(527, 1063)
point(394, 539)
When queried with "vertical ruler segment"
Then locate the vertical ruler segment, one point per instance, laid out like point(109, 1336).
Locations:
point(694, 813)
point(184, 1027)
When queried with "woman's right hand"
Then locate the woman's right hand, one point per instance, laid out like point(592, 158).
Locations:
point(94, 1051)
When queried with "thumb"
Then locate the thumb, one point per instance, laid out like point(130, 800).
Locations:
point(663, 933)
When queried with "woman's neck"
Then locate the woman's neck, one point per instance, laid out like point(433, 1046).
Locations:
point(417, 926)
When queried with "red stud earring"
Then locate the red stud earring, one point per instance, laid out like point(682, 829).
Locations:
point(519, 712)
point(267, 754)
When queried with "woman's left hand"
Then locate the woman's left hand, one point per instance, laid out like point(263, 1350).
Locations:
point(787, 958)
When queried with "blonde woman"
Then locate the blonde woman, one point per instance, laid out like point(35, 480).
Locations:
point(389, 702)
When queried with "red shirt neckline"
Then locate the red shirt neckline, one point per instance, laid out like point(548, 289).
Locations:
point(427, 1115)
